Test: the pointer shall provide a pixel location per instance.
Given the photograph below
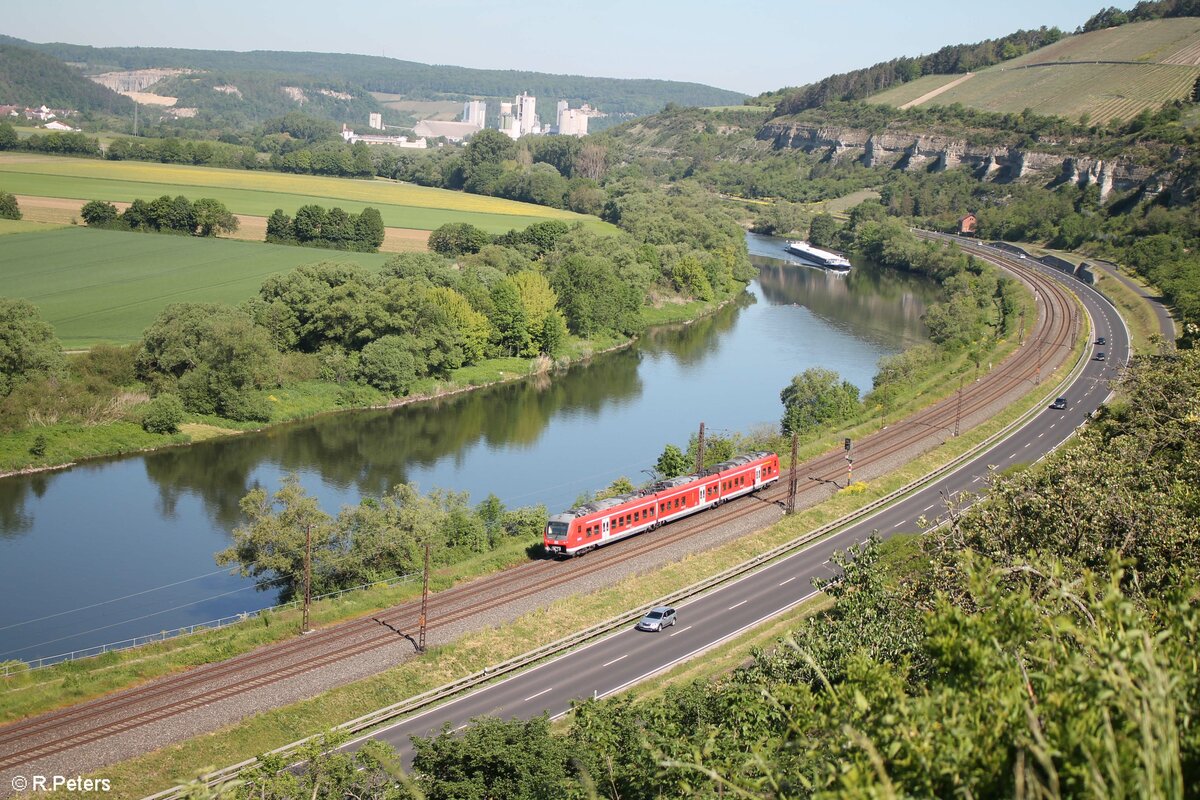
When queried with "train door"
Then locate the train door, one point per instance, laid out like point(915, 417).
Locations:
point(757, 475)
point(604, 528)
point(701, 501)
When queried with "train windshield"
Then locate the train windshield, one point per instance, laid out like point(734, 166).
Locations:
point(558, 530)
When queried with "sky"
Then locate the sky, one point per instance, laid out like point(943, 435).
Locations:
point(749, 46)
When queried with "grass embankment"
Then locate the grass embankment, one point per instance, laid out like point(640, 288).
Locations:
point(1139, 315)
point(155, 771)
point(1136, 310)
point(259, 193)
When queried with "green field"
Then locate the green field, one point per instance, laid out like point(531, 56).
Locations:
point(8, 226)
point(260, 193)
point(1149, 63)
point(107, 286)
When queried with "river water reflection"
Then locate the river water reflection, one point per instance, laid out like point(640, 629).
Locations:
point(84, 551)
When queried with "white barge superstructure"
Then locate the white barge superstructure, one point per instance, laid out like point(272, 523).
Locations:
point(818, 256)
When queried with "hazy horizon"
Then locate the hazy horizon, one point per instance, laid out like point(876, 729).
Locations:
point(758, 48)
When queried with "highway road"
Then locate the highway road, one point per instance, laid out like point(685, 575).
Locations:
point(629, 656)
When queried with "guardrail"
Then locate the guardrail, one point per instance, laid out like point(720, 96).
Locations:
point(15, 667)
point(434, 696)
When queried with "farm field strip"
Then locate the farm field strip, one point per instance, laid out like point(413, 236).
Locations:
point(107, 286)
point(367, 191)
point(63, 211)
point(247, 201)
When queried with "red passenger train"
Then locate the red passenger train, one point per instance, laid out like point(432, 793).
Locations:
point(597, 523)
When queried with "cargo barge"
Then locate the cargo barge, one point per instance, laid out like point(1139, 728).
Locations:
point(815, 255)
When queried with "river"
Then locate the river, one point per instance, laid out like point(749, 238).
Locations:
point(122, 547)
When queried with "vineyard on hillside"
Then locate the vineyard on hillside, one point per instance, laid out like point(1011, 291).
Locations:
point(1112, 74)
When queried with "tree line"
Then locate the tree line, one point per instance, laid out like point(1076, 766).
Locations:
point(334, 229)
point(202, 217)
point(1146, 10)
point(860, 83)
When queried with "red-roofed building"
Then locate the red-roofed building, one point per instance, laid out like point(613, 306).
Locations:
point(966, 225)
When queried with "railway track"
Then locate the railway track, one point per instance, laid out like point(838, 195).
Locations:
point(57, 732)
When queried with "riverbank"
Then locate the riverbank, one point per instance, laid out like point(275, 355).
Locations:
point(54, 446)
point(493, 640)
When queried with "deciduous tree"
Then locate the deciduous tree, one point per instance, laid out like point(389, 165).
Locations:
point(28, 347)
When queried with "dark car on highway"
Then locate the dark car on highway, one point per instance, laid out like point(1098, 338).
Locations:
point(1100, 356)
point(1060, 403)
point(1101, 341)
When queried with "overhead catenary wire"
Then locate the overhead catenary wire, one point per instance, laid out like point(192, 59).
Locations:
point(113, 600)
point(140, 618)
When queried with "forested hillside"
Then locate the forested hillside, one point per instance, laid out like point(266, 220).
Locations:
point(30, 78)
point(261, 73)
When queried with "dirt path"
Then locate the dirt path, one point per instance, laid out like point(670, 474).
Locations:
point(65, 211)
point(930, 95)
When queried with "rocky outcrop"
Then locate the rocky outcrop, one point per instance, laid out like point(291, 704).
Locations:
point(933, 152)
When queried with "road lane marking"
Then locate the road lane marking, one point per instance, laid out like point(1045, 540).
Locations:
point(735, 605)
point(898, 524)
point(615, 660)
point(539, 694)
point(931, 505)
point(681, 630)
point(1028, 443)
point(789, 580)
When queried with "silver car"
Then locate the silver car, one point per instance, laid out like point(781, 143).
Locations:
point(657, 618)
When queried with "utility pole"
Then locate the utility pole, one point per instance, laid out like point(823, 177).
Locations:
point(424, 603)
point(700, 451)
point(135, 110)
point(1038, 364)
point(1021, 329)
point(958, 406)
point(792, 476)
point(307, 576)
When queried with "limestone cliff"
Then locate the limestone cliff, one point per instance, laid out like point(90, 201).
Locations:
point(933, 152)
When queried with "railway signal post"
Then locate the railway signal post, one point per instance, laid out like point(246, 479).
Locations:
point(700, 450)
point(849, 464)
point(792, 476)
